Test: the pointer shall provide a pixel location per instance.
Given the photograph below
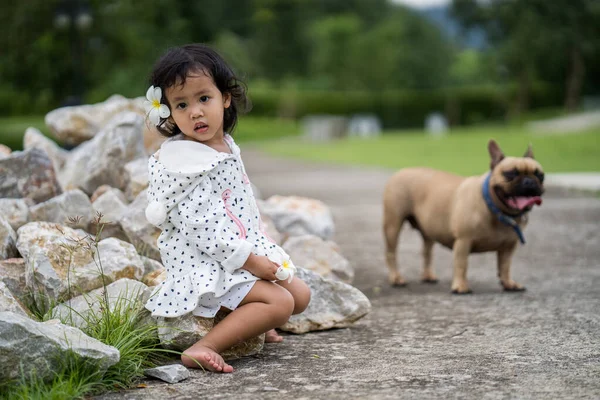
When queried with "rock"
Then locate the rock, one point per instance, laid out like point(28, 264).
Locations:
point(155, 277)
point(332, 304)
point(34, 139)
point(136, 173)
point(16, 211)
point(12, 274)
point(28, 174)
point(141, 233)
point(320, 256)
point(38, 346)
point(111, 205)
point(71, 208)
point(169, 373)
point(182, 332)
point(8, 302)
point(268, 228)
point(8, 240)
point(63, 262)
point(102, 160)
point(122, 295)
point(296, 216)
point(105, 188)
point(151, 265)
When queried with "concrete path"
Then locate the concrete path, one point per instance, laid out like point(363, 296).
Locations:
point(421, 342)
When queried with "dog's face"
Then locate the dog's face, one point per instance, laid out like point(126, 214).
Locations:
point(517, 182)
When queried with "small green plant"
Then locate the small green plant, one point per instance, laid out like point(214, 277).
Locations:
point(121, 323)
point(73, 377)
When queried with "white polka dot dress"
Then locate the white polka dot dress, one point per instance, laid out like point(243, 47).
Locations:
point(202, 201)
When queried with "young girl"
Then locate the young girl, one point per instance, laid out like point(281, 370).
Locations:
point(212, 240)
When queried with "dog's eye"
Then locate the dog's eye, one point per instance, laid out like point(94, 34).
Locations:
point(539, 175)
point(511, 175)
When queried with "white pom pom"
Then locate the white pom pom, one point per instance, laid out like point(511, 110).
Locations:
point(156, 213)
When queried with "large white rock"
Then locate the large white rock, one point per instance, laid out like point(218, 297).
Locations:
point(28, 174)
point(71, 208)
point(112, 205)
point(62, 262)
point(141, 233)
point(8, 240)
point(38, 346)
point(35, 139)
point(294, 216)
point(8, 302)
point(320, 256)
point(124, 294)
point(102, 160)
point(12, 274)
point(16, 211)
point(136, 173)
point(333, 304)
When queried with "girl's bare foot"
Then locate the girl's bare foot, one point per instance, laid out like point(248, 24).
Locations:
point(273, 337)
point(208, 358)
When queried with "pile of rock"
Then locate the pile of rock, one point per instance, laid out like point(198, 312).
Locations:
point(54, 248)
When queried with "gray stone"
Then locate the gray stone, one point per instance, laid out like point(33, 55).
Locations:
point(16, 212)
point(324, 127)
point(169, 373)
point(136, 173)
point(28, 174)
point(364, 126)
point(8, 302)
point(151, 265)
point(141, 233)
point(102, 160)
point(295, 215)
point(8, 239)
point(63, 262)
point(112, 205)
point(35, 139)
point(182, 332)
point(12, 274)
point(332, 304)
point(5, 151)
point(38, 346)
point(71, 208)
point(320, 256)
point(124, 294)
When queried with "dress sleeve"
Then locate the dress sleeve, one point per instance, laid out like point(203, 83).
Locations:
point(203, 218)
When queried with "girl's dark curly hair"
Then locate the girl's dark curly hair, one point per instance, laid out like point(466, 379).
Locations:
point(177, 63)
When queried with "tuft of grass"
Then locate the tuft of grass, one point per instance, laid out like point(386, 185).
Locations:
point(462, 151)
point(74, 377)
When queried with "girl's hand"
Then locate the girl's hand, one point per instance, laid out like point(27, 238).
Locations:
point(261, 267)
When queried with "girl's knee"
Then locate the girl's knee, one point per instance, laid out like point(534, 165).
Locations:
point(301, 298)
point(284, 306)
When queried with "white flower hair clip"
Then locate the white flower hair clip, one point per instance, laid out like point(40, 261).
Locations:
point(154, 109)
point(286, 269)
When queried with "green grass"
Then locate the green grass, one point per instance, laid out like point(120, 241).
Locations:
point(462, 151)
point(12, 129)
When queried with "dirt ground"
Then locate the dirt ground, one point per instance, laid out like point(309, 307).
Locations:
point(421, 341)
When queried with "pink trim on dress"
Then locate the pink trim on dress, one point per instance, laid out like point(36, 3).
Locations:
point(225, 196)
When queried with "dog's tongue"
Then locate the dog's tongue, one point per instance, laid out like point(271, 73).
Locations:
point(520, 202)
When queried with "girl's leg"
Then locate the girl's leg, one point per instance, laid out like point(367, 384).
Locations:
point(301, 294)
point(265, 307)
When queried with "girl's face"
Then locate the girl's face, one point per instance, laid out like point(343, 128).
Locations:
point(197, 108)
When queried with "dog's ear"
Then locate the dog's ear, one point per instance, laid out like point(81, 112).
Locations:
point(495, 153)
point(529, 152)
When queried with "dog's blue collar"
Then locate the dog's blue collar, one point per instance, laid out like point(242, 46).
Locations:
point(505, 219)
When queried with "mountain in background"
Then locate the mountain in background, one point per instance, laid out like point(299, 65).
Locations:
point(441, 16)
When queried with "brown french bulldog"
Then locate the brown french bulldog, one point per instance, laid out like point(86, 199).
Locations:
point(466, 214)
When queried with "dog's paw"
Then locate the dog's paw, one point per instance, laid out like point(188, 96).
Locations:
point(461, 288)
point(396, 280)
point(429, 278)
point(512, 286)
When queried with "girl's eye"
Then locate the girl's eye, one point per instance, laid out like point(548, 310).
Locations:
point(181, 106)
point(204, 99)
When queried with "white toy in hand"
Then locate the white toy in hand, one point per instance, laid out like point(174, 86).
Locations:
point(286, 269)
